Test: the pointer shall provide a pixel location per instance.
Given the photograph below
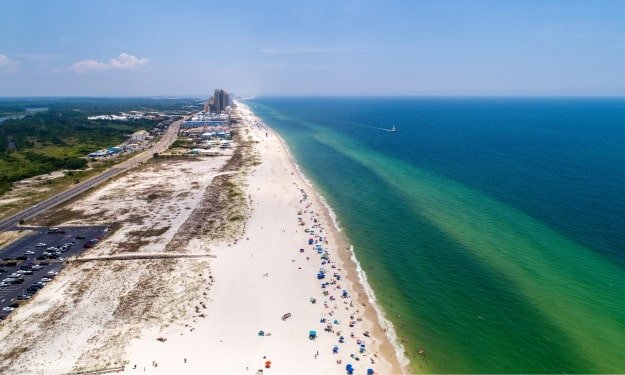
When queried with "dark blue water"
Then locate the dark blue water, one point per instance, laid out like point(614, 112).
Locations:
point(496, 227)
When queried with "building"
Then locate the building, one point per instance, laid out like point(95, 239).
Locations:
point(139, 136)
point(218, 103)
point(203, 120)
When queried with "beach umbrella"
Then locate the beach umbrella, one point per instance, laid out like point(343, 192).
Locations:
point(267, 364)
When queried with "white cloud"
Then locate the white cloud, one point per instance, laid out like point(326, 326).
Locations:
point(88, 65)
point(124, 61)
point(8, 64)
point(277, 51)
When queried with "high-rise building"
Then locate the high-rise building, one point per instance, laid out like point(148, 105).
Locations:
point(211, 105)
point(218, 102)
point(222, 100)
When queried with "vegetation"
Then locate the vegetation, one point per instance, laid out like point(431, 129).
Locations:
point(61, 137)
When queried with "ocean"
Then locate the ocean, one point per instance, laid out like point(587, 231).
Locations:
point(491, 230)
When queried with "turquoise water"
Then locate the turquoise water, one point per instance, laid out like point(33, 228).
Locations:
point(492, 230)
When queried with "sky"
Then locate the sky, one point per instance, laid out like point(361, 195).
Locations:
point(337, 47)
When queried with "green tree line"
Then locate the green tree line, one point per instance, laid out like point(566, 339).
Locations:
point(61, 137)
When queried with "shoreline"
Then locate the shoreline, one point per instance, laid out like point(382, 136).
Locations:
point(265, 310)
point(350, 262)
point(345, 250)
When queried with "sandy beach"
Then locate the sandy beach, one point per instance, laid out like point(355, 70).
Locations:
point(265, 274)
point(270, 272)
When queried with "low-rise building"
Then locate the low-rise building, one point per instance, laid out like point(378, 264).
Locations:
point(139, 136)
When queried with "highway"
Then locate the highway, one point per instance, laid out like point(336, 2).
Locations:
point(163, 144)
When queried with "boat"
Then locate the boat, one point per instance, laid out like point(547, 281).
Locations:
point(393, 130)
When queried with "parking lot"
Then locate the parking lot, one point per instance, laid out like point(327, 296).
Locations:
point(28, 264)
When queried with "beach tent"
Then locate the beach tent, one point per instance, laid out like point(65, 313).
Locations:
point(261, 333)
point(335, 349)
point(312, 335)
point(349, 368)
point(370, 371)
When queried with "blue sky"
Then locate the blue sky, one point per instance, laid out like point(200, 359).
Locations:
point(110, 48)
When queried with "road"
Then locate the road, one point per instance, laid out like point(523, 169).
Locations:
point(163, 144)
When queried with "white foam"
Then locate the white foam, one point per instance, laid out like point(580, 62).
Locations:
point(384, 323)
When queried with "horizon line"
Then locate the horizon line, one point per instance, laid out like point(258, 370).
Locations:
point(201, 96)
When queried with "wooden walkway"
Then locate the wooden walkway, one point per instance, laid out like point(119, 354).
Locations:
point(141, 256)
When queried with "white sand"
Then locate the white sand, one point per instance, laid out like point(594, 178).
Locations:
point(85, 317)
point(262, 277)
